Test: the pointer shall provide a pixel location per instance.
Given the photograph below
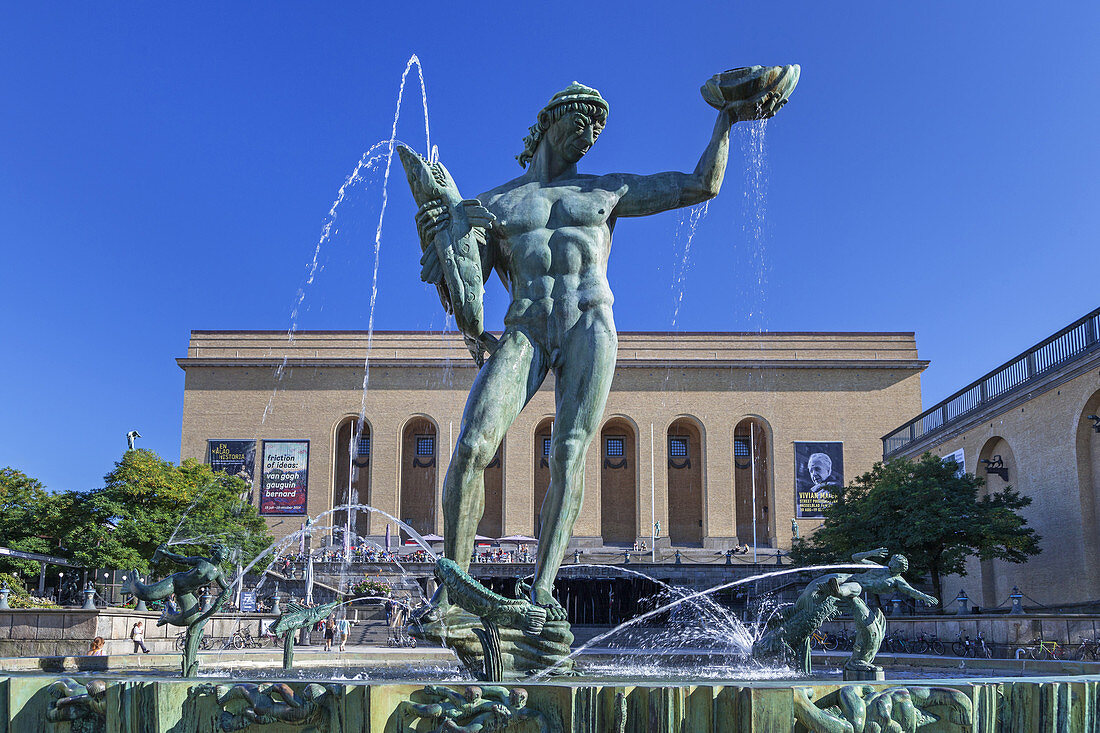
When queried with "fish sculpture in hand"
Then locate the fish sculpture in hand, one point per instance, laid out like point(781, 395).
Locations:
point(454, 257)
point(298, 616)
point(472, 596)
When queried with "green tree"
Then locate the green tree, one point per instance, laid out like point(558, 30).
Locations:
point(147, 501)
point(31, 519)
point(926, 510)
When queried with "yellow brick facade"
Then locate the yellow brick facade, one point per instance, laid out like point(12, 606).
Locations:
point(848, 387)
point(1051, 452)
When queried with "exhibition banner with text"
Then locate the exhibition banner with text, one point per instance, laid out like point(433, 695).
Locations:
point(232, 457)
point(285, 477)
point(818, 471)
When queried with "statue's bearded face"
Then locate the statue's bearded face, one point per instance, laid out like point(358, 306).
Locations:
point(573, 135)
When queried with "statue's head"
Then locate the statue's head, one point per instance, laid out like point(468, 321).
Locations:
point(517, 698)
point(473, 693)
point(571, 121)
point(219, 554)
point(898, 564)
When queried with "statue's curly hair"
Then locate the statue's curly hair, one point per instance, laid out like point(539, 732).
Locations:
point(549, 116)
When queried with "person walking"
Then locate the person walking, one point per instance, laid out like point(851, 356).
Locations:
point(330, 633)
point(137, 635)
point(344, 628)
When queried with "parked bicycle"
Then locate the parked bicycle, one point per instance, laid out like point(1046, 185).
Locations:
point(242, 638)
point(181, 641)
point(823, 640)
point(1088, 649)
point(846, 639)
point(1042, 649)
point(896, 643)
point(928, 644)
point(964, 647)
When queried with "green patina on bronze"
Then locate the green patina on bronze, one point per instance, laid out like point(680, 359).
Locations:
point(858, 708)
point(293, 619)
point(826, 596)
point(186, 585)
point(83, 706)
point(486, 709)
point(313, 709)
point(149, 705)
point(548, 234)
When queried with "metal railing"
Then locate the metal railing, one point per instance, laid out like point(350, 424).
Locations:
point(1073, 342)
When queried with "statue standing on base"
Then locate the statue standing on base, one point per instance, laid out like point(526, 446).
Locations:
point(827, 596)
point(186, 585)
point(547, 233)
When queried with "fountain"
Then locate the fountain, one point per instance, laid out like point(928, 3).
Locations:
point(522, 670)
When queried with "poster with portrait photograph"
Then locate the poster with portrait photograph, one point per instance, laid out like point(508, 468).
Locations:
point(818, 471)
point(285, 478)
point(232, 457)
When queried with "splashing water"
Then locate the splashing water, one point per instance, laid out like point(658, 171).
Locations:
point(278, 547)
point(679, 271)
point(369, 160)
point(754, 145)
point(690, 597)
point(710, 624)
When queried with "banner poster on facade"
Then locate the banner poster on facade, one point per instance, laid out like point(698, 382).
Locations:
point(959, 457)
point(232, 457)
point(818, 470)
point(285, 477)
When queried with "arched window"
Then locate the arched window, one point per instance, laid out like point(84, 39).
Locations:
point(492, 520)
point(419, 460)
point(1088, 472)
point(542, 468)
point(752, 482)
point(997, 465)
point(618, 483)
point(352, 451)
point(685, 483)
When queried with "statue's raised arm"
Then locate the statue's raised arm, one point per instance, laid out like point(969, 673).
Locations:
point(864, 557)
point(748, 93)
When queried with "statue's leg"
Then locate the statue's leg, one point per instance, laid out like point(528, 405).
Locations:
point(582, 383)
point(503, 386)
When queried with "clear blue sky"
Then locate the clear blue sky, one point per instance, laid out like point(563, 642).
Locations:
point(168, 167)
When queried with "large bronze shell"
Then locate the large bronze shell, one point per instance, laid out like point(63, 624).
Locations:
point(767, 86)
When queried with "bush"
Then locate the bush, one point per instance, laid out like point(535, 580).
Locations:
point(371, 587)
point(20, 597)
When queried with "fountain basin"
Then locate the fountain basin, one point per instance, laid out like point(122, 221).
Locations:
point(156, 705)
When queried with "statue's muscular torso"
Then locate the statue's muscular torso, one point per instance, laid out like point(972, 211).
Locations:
point(554, 240)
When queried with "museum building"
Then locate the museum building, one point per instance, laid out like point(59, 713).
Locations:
point(1032, 423)
point(708, 439)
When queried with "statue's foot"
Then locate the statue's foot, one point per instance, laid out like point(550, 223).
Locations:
point(554, 610)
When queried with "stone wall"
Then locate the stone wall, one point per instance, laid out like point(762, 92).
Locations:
point(1049, 447)
point(46, 632)
point(1013, 630)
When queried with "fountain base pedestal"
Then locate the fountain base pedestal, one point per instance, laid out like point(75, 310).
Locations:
point(864, 675)
point(522, 654)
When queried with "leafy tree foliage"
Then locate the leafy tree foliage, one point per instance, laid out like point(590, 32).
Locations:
point(925, 511)
point(31, 519)
point(147, 501)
